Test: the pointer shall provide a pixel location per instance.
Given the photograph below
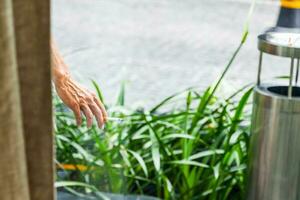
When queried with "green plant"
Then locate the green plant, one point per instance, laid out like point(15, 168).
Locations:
point(159, 153)
point(190, 146)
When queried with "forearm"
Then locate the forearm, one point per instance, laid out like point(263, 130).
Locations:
point(58, 67)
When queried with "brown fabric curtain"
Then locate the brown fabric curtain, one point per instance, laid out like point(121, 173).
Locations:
point(26, 139)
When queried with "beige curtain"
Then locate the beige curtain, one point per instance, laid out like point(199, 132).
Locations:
point(26, 140)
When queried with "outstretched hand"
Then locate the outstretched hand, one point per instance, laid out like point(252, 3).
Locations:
point(77, 98)
point(80, 99)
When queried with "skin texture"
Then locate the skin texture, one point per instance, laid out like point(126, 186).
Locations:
point(77, 98)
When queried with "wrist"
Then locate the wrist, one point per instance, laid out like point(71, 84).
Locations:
point(60, 77)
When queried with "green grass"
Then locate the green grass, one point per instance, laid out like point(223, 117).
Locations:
point(197, 150)
point(192, 145)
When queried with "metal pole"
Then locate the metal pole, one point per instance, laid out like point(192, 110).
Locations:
point(297, 72)
point(259, 68)
point(290, 91)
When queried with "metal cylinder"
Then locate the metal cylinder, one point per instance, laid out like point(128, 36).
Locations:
point(289, 14)
point(289, 18)
point(274, 158)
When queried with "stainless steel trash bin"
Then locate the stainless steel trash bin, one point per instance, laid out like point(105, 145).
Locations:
point(274, 157)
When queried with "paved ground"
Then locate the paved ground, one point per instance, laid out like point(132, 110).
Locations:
point(160, 46)
point(68, 196)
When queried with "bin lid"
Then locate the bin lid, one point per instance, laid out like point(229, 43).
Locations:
point(284, 42)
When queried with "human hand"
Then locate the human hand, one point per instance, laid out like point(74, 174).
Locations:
point(80, 99)
point(73, 95)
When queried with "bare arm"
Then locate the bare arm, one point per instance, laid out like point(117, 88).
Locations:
point(73, 95)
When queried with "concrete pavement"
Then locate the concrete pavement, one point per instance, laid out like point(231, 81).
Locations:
point(161, 46)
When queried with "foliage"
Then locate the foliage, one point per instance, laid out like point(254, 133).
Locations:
point(193, 151)
point(190, 146)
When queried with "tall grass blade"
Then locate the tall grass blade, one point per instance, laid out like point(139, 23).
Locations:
point(121, 96)
point(141, 161)
point(98, 90)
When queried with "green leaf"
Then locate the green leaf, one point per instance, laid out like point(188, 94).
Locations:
point(155, 151)
point(125, 156)
point(78, 147)
point(168, 188)
point(238, 168)
point(283, 77)
point(189, 99)
point(216, 171)
point(99, 93)
point(80, 184)
point(121, 96)
point(141, 161)
point(163, 102)
point(59, 184)
point(206, 153)
point(239, 111)
point(169, 184)
point(178, 135)
point(189, 162)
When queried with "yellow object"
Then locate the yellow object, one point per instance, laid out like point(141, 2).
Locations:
point(290, 4)
point(73, 167)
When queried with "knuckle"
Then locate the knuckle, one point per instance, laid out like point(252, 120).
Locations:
point(94, 95)
point(73, 104)
point(89, 117)
point(89, 99)
point(82, 102)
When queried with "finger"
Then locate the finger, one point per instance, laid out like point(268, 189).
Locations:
point(68, 101)
point(97, 112)
point(101, 106)
point(88, 114)
point(77, 113)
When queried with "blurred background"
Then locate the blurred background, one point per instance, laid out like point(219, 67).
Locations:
point(159, 47)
